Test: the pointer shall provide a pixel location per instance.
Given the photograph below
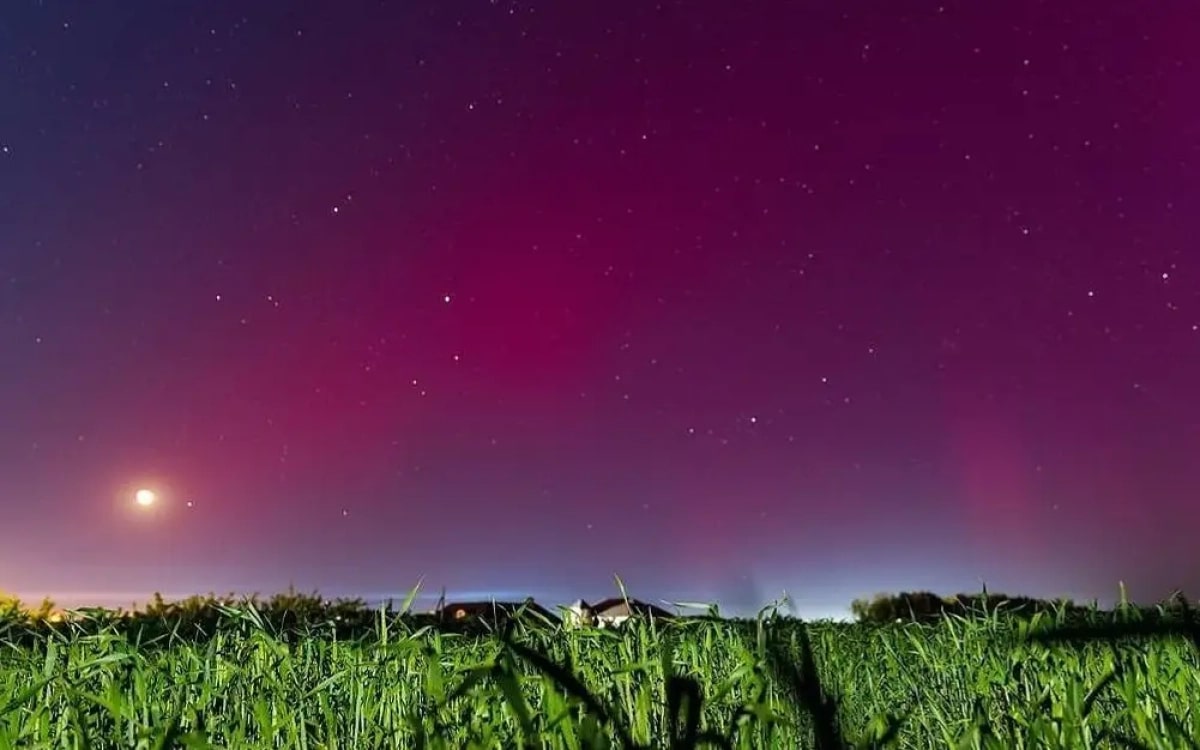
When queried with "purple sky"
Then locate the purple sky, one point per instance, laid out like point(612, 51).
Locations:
point(726, 298)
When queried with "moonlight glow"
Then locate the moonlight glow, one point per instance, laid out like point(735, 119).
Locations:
point(145, 498)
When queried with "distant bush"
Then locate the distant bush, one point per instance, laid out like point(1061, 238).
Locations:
point(12, 609)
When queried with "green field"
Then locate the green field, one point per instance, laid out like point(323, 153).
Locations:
point(245, 677)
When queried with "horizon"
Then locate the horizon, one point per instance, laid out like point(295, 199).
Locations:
point(425, 600)
point(132, 601)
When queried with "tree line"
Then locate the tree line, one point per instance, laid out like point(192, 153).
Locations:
point(926, 606)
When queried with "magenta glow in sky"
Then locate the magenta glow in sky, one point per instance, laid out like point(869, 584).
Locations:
point(513, 296)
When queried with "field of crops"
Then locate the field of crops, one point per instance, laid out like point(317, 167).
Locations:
point(771, 682)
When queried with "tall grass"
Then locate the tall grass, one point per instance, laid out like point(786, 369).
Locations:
point(972, 682)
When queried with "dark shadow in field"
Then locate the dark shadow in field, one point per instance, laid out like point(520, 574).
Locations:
point(685, 699)
point(1113, 634)
point(799, 679)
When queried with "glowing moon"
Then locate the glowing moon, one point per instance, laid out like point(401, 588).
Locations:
point(145, 498)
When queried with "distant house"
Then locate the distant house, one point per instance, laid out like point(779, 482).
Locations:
point(579, 614)
point(491, 611)
point(611, 612)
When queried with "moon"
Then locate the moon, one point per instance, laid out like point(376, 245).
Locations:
point(145, 497)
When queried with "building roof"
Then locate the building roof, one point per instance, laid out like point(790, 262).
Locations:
point(493, 608)
point(620, 607)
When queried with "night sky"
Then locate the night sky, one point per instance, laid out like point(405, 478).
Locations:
point(726, 298)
